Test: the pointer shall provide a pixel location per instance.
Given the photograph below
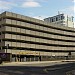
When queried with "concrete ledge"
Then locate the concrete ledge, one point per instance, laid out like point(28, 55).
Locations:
point(34, 62)
point(37, 63)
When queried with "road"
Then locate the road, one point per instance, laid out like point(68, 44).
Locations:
point(57, 69)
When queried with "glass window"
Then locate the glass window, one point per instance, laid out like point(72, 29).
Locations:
point(52, 20)
point(56, 18)
point(62, 17)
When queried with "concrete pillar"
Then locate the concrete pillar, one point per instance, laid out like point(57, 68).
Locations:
point(30, 59)
point(19, 59)
point(34, 58)
point(24, 59)
point(10, 57)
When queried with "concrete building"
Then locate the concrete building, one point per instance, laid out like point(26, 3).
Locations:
point(31, 39)
point(61, 19)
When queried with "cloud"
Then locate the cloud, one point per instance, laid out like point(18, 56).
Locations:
point(6, 5)
point(30, 3)
point(69, 10)
point(40, 17)
point(73, 0)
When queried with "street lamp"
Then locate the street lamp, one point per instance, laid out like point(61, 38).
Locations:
point(7, 46)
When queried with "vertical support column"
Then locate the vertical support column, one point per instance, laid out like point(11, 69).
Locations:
point(1, 39)
point(30, 58)
point(24, 59)
point(10, 57)
point(1, 35)
point(16, 58)
point(19, 58)
point(41, 58)
point(69, 55)
point(34, 58)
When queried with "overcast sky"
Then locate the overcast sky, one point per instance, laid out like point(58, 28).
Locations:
point(38, 8)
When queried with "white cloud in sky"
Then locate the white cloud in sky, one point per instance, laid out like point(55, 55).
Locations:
point(69, 10)
point(73, 0)
point(6, 5)
point(74, 5)
point(31, 3)
point(40, 17)
point(74, 12)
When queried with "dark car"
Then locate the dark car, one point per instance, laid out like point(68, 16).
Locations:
point(0, 60)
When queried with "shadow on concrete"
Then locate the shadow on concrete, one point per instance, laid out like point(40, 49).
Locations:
point(30, 70)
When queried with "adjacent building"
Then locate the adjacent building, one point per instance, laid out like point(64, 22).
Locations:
point(62, 19)
point(29, 39)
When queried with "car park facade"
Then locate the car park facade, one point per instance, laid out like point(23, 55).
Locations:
point(30, 39)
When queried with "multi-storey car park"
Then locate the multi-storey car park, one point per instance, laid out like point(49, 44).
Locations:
point(31, 39)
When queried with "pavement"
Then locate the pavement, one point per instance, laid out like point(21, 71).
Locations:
point(62, 67)
point(38, 68)
point(37, 63)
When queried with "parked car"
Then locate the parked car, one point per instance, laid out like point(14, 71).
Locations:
point(0, 60)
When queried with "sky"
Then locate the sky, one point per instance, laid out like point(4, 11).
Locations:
point(38, 8)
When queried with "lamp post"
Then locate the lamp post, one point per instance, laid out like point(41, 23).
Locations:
point(39, 57)
point(7, 46)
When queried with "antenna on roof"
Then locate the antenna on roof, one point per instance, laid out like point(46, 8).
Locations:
point(58, 12)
